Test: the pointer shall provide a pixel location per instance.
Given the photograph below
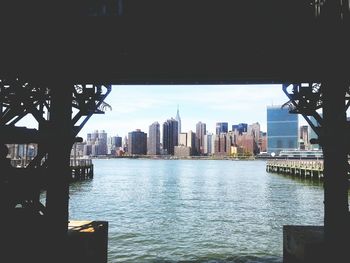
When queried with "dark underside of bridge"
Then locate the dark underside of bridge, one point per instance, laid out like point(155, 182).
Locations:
point(47, 47)
point(173, 41)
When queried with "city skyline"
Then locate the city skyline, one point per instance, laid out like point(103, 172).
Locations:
point(138, 106)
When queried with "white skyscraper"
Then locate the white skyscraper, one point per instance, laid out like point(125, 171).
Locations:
point(178, 120)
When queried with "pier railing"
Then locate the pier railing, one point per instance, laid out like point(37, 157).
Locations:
point(80, 162)
point(82, 168)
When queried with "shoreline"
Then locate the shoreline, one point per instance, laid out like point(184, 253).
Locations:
point(149, 157)
point(167, 157)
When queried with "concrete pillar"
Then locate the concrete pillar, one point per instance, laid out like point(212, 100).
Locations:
point(334, 137)
point(59, 146)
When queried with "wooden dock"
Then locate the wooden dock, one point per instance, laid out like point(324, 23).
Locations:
point(301, 168)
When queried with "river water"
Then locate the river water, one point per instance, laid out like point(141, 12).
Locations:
point(194, 210)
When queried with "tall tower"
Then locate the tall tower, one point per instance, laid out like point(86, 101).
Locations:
point(170, 135)
point(154, 139)
point(178, 119)
point(201, 130)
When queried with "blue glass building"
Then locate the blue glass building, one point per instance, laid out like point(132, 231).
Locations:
point(242, 127)
point(221, 127)
point(282, 129)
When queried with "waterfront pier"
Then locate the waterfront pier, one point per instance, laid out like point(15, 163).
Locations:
point(300, 168)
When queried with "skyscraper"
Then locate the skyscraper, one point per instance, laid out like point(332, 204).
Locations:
point(154, 139)
point(221, 127)
point(178, 119)
point(254, 130)
point(113, 144)
point(170, 135)
point(137, 142)
point(201, 130)
point(282, 129)
point(207, 143)
point(96, 143)
point(102, 143)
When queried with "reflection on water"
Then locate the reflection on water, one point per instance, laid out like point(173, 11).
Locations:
point(194, 210)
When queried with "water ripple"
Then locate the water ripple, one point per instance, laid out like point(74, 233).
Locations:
point(194, 211)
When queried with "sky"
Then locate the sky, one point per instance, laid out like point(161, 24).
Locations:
point(137, 107)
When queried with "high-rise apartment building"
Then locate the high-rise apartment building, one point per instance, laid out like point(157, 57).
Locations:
point(191, 142)
point(282, 129)
point(208, 144)
point(154, 139)
point(186, 140)
point(254, 130)
point(201, 130)
point(223, 143)
point(246, 142)
point(221, 127)
point(170, 135)
point(113, 144)
point(137, 142)
point(96, 143)
point(263, 142)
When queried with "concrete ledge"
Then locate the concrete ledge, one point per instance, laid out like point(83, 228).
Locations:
point(88, 241)
point(303, 244)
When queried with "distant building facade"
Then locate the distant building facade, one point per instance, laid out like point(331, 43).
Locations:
point(154, 139)
point(182, 151)
point(223, 143)
point(170, 135)
point(263, 142)
point(201, 130)
point(96, 143)
point(187, 139)
point(282, 130)
point(113, 144)
point(241, 128)
point(178, 119)
point(221, 127)
point(137, 142)
point(246, 142)
point(208, 144)
point(304, 137)
point(313, 135)
point(254, 130)
point(22, 151)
